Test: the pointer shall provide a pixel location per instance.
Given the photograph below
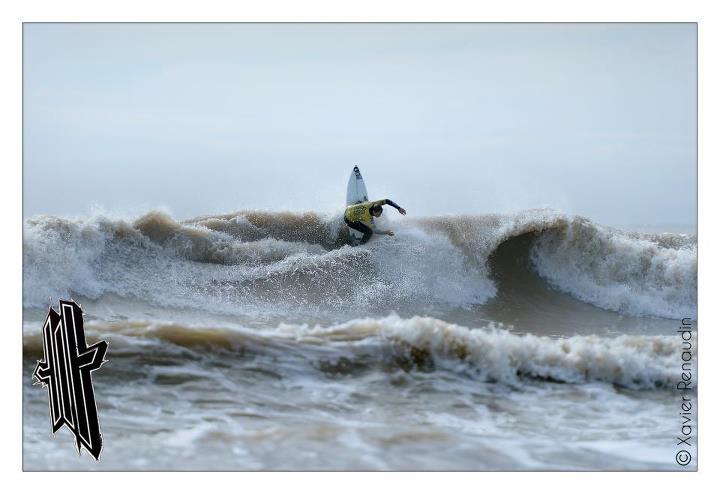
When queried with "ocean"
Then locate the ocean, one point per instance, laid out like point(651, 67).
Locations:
point(260, 340)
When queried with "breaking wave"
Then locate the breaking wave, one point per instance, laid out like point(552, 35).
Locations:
point(292, 261)
point(422, 344)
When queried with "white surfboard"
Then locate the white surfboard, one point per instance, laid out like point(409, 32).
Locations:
point(356, 192)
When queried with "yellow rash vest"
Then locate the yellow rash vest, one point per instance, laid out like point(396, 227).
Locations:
point(361, 211)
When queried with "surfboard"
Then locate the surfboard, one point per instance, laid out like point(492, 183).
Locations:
point(356, 192)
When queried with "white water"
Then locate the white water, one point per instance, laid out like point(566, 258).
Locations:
point(259, 340)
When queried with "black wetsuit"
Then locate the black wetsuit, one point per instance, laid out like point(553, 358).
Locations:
point(362, 228)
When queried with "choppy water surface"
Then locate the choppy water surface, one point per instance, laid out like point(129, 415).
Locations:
point(260, 340)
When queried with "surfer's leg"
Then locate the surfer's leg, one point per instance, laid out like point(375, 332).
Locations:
point(362, 228)
point(367, 233)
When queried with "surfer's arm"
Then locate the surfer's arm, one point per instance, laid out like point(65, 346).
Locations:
point(389, 202)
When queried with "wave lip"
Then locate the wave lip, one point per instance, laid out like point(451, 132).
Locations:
point(627, 272)
point(630, 274)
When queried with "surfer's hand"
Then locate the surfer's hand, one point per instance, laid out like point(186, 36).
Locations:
point(402, 211)
point(391, 233)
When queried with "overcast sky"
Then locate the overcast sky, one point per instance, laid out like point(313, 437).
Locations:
point(591, 119)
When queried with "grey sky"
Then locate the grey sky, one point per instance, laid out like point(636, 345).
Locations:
point(593, 119)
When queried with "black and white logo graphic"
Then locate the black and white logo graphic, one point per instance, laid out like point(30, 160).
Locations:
point(65, 370)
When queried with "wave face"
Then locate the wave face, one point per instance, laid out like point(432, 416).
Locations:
point(283, 262)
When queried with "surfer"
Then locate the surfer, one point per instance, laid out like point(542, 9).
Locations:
point(361, 216)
